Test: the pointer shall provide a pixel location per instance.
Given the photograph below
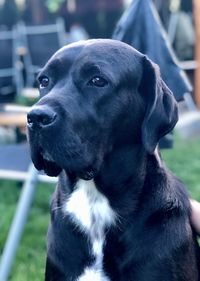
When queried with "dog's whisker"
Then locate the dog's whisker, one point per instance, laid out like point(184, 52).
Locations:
point(57, 208)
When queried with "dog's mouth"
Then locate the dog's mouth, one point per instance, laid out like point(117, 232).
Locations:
point(43, 161)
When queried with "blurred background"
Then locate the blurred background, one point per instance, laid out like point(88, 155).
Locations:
point(168, 31)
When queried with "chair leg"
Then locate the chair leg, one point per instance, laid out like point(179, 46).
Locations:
point(18, 223)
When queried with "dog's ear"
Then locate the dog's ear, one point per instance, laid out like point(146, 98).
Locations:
point(161, 112)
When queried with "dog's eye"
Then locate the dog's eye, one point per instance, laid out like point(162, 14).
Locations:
point(43, 82)
point(98, 81)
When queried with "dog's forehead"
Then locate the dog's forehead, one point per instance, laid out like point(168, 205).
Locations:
point(110, 51)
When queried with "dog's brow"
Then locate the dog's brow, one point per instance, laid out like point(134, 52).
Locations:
point(54, 67)
point(55, 64)
point(90, 67)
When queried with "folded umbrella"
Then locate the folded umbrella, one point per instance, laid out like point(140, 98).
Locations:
point(141, 28)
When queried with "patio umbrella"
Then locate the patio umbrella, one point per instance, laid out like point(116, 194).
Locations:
point(141, 28)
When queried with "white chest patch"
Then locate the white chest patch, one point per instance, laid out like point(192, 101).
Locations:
point(91, 212)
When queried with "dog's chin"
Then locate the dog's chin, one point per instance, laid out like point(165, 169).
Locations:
point(78, 167)
point(81, 169)
point(86, 175)
point(49, 167)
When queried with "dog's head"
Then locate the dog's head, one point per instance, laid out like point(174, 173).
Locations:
point(94, 96)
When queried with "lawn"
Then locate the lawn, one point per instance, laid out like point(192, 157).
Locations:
point(183, 160)
point(30, 260)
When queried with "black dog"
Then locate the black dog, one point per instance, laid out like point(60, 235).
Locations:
point(117, 214)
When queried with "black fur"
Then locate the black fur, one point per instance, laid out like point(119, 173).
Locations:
point(108, 130)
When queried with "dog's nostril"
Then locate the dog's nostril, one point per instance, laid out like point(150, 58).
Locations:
point(41, 116)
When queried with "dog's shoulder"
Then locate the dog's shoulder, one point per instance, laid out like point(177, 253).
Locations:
point(166, 194)
point(159, 227)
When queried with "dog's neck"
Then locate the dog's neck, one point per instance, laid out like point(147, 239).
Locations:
point(118, 177)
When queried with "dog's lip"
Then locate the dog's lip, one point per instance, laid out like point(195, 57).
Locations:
point(51, 168)
point(46, 156)
point(43, 161)
point(86, 173)
point(46, 160)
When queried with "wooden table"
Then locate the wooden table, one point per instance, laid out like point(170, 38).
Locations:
point(13, 115)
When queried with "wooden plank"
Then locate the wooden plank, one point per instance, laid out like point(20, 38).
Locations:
point(14, 108)
point(196, 12)
point(13, 115)
point(18, 120)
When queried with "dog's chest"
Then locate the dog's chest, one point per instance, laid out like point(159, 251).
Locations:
point(91, 213)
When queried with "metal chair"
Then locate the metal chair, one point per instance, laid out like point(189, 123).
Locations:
point(40, 42)
point(10, 68)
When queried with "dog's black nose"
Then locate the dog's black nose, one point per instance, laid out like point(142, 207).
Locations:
point(41, 116)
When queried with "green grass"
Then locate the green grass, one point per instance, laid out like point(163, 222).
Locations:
point(30, 259)
point(183, 160)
